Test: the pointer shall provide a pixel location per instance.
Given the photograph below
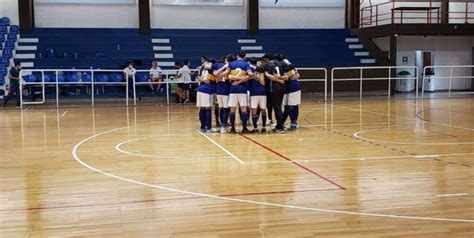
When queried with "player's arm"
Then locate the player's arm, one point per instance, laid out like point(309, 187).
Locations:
point(218, 72)
point(274, 78)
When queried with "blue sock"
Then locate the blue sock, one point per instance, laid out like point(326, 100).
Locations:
point(245, 118)
point(294, 114)
point(226, 117)
point(255, 120)
point(202, 118)
point(264, 120)
point(286, 113)
point(222, 117)
point(232, 119)
point(208, 118)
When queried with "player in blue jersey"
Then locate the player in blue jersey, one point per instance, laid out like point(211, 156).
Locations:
point(292, 98)
point(258, 96)
point(221, 72)
point(240, 72)
point(203, 100)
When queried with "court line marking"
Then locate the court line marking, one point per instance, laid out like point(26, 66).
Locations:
point(75, 156)
point(222, 148)
point(118, 147)
point(64, 113)
point(293, 162)
point(408, 118)
point(427, 156)
point(357, 135)
point(452, 195)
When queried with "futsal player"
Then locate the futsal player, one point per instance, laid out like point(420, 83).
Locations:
point(276, 77)
point(258, 96)
point(221, 72)
point(204, 92)
point(240, 72)
point(292, 98)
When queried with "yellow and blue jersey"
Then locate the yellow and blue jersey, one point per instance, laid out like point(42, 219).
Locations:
point(239, 68)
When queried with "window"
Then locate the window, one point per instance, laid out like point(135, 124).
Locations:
point(131, 2)
point(302, 3)
point(200, 2)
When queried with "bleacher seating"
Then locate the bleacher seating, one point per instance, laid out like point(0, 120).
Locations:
point(87, 48)
point(306, 48)
point(8, 37)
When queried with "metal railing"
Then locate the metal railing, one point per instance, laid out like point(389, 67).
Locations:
point(449, 75)
point(93, 84)
point(361, 77)
point(324, 79)
point(389, 13)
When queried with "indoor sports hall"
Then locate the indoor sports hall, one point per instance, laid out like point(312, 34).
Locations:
point(237, 118)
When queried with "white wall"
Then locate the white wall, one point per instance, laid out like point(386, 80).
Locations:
point(301, 18)
point(86, 15)
point(9, 8)
point(446, 51)
point(198, 17)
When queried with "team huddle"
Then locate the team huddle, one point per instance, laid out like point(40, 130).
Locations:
point(252, 87)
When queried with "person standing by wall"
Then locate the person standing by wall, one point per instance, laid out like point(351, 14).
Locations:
point(14, 85)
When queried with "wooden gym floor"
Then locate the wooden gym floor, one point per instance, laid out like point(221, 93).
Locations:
point(371, 169)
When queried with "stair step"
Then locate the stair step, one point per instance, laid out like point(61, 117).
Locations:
point(27, 47)
point(160, 40)
point(24, 56)
point(28, 40)
point(27, 64)
point(246, 41)
point(165, 63)
point(164, 56)
point(161, 48)
point(256, 55)
point(352, 40)
point(251, 48)
point(367, 61)
point(361, 53)
point(356, 46)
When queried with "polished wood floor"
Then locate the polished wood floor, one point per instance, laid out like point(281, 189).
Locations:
point(372, 169)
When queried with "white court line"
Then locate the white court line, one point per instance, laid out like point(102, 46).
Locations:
point(222, 148)
point(366, 158)
point(453, 195)
point(64, 113)
point(408, 118)
point(78, 160)
point(119, 149)
point(356, 135)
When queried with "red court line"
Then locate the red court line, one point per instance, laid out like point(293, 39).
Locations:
point(279, 192)
point(293, 162)
point(164, 199)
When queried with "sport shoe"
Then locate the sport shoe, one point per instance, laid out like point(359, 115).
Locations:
point(202, 130)
point(212, 130)
point(293, 127)
point(278, 131)
point(233, 131)
point(263, 130)
point(223, 130)
point(245, 131)
point(253, 131)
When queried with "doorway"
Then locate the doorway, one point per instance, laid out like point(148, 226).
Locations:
point(424, 59)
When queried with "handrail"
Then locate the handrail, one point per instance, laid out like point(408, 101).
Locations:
point(93, 83)
point(361, 77)
point(450, 77)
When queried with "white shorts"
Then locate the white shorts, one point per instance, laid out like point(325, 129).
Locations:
point(223, 101)
point(238, 99)
point(292, 99)
point(203, 100)
point(258, 101)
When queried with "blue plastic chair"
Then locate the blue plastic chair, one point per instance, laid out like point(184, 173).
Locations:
point(72, 77)
point(102, 78)
point(14, 28)
point(86, 77)
point(5, 20)
point(116, 78)
point(50, 53)
point(141, 77)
